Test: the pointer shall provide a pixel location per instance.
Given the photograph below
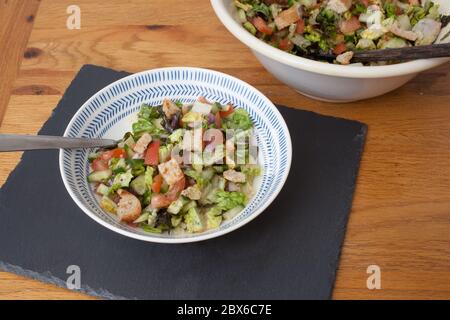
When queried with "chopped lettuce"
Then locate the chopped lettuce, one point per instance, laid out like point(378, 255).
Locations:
point(143, 125)
point(251, 171)
point(228, 200)
point(193, 221)
point(198, 205)
point(122, 180)
point(148, 112)
point(149, 176)
point(137, 166)
point(213, 218)
point(239, 119)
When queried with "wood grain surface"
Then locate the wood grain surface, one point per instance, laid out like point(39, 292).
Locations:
point(401, 213)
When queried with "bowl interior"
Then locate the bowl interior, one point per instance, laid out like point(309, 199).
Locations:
point(110, 113)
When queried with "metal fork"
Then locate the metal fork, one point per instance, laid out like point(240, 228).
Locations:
point(13, 142)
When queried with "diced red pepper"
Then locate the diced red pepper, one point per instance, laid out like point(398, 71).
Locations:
point(151, 157)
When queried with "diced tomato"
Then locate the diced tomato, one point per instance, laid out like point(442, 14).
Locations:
point(115, 153)
point(99, 164)
point(157, 182)
point(151, 157)
point(229, 110)
point(300, 26)
point(164, 200)
point(285, 44)
point(350, 26)
point(262, 26)
point(339, 48)
point(218, 120)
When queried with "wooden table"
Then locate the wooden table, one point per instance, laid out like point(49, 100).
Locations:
point(401, 213)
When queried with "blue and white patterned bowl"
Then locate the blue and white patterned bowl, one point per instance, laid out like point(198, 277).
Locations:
point(110, 113)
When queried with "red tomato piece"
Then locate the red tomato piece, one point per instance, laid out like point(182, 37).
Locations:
point(262, 26)
point(151, 157)
point(99, 164)
point(164, 200)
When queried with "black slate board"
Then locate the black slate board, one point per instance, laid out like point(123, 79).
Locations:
point(291, 251)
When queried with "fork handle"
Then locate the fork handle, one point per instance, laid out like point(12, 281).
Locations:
point(13, 142)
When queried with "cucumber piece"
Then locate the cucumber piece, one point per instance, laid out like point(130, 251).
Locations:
point(176, 206)
point(143, 218)
point(152, 217)
point(100, 176)
point(102, 189)
point(249, 27)
point(149, 229)
point(139, 185)
point(129, 151)
point(129, 141)
point(192, 117)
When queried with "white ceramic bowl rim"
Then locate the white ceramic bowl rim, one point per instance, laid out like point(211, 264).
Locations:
point(200, 237)
point(267, 50)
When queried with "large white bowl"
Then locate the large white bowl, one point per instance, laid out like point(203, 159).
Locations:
point(111, 112)
point(324, 81)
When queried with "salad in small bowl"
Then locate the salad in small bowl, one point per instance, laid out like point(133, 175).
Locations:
point(155, 180)
point(199, 154)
